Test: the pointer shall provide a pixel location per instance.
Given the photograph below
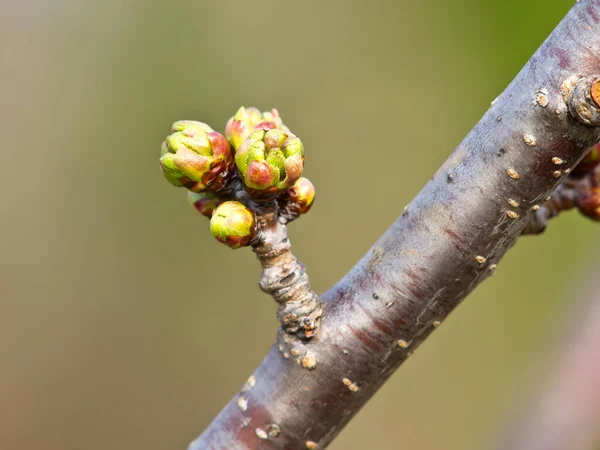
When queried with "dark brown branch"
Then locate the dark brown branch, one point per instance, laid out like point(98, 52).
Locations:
point(449, 240)
point(566, 196)
point(284, 277)
point(566, 412)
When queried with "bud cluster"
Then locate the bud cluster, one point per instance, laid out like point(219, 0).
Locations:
point(247, 120)
point(269, 162)
point(258, 154)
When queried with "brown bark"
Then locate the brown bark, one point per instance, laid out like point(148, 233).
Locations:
point(448, 240)
point(565, 197)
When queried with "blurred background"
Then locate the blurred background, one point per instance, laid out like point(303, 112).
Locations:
point(124, 324)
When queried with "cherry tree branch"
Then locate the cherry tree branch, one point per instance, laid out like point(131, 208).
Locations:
point(448, 240)
point(284, 277)
point(575, 191)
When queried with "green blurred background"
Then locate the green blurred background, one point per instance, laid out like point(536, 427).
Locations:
point(125, 325)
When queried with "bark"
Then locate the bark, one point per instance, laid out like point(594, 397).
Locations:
point(566, 196)
point(566, 412)
point(284, 277)
point(448, 240)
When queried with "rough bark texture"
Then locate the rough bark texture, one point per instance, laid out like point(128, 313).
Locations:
point(284, 277)
point(566, 196)
point(566, 413)
point(447, 241)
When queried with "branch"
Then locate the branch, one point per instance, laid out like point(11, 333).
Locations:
point(449, 239)
point(565, 413)
point(580, 190)
point(284, 277)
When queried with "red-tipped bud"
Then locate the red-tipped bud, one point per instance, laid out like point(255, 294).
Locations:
point(248, 120)
point(589, 203)
point(204, 202)
point(269, 162)
point(297, 200)
point(233, 224)
point(196, 157)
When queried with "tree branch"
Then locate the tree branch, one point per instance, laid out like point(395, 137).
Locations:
point(575, 191)
point(448, 240)
point(284, 277)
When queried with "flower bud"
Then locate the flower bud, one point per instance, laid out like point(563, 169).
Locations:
point(247, 120)
point(297, 200)
point(196, 157)
point(589, 202)
point(204, 202)
point(270, 161)
point(233, 224)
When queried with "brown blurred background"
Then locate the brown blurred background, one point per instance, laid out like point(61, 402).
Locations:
point(124, 325)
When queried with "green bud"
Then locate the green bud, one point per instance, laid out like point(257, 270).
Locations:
point(233, 224)
point(247, 120)
point(270, 161)
point(204, 202)
point(297, 200)
point(196, 157)
point(589, 203)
